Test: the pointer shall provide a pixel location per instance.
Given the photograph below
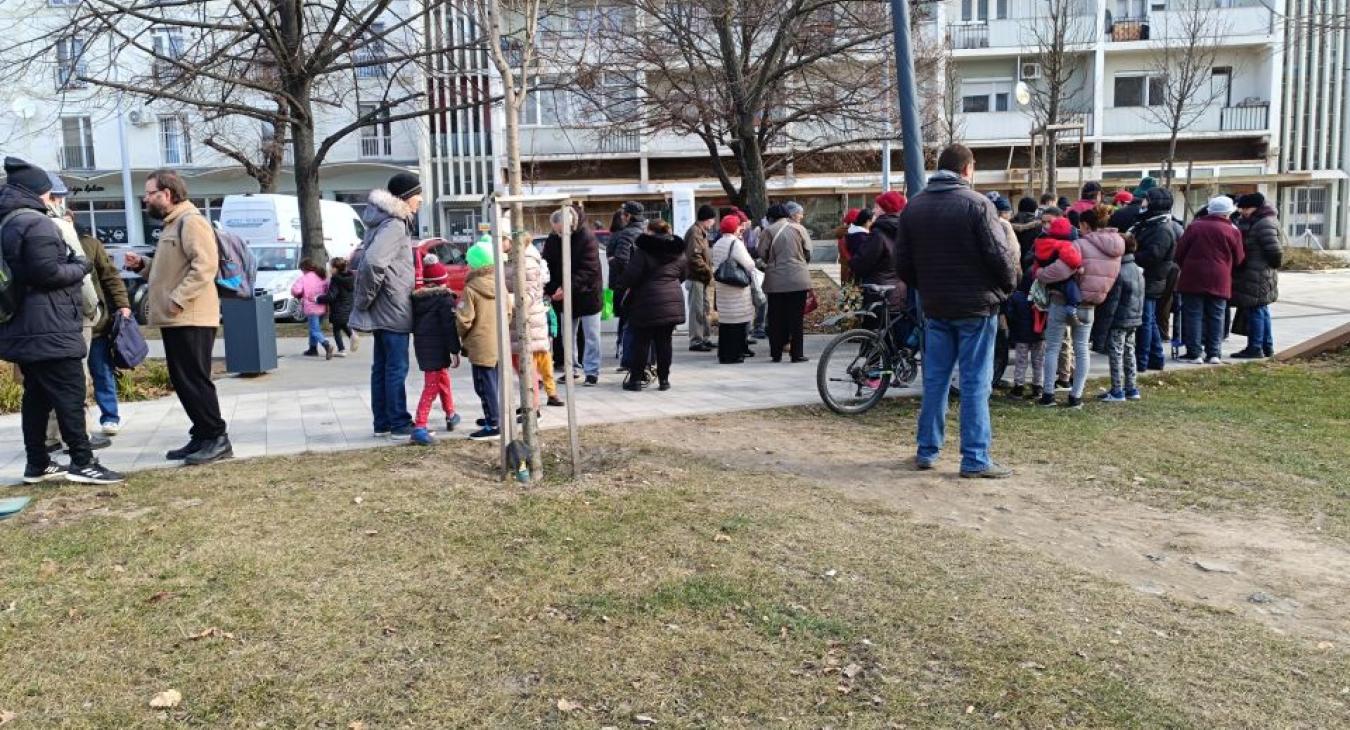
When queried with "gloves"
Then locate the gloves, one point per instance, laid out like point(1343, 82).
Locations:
point(85, 264)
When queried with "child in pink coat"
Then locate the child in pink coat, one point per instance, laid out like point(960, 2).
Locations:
point(308, 288)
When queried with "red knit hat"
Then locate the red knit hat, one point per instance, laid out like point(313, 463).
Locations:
point(851, 215)
point(1059, 228)
point(434, 272)
point(892, 201)
point(730, 224)
point(1123, 197)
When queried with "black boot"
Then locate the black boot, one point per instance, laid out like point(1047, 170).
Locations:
point(213, 450)
point(664, 384)
point(632, 383)
point(191, 447)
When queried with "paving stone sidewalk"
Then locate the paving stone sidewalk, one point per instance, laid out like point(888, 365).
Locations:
point(309, 404)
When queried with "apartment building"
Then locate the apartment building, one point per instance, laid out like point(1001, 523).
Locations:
point(1272, 118)
point(88, 134)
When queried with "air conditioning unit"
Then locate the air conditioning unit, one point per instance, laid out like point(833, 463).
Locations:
point(1030, 71)
point(139, 117)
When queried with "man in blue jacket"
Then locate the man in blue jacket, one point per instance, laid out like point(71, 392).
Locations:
point(44, 332)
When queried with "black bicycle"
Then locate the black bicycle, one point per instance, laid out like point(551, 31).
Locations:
point(860, 365)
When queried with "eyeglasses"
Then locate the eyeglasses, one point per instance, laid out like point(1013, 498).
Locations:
point(148, 193)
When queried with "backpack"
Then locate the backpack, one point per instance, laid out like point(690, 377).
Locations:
point(127, 345)
point(9, 290)
point(237, 267)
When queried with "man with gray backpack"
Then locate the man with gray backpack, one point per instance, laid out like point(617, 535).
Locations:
point(41, 326)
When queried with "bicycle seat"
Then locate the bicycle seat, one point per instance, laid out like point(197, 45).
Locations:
point(879, 288)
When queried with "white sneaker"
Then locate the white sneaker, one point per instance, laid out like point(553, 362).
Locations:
point(356, 341)
point(111, 427)
point(1212, 360)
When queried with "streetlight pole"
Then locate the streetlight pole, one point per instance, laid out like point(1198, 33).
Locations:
point(911, 135)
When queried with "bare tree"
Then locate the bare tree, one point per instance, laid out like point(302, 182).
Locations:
point(291, 64)
point(1179, 87)
point(943, 103)
point(761, 85)
point(261, 153)
point(1058, 35)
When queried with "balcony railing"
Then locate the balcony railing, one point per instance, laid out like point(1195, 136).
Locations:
point(1250, 118)
point(77, 157)
point(620, 142)
point(968, 35)
point(1129, 29)
point(67, 76)
point(376, 146)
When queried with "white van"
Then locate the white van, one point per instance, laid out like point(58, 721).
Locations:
point(270, 224)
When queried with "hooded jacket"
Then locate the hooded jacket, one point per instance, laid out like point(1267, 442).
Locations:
point(1124, 306)
point(308, 289)
point(1256, 282)
point(1155, 236)
point(951, 246)
point(1027, 228)
point(1102, 250)
point(785, 250)
point(652, 279)
point(1208, 253)
point(112, 291)
point(588, 282)
point(536, 274)
point(49, 322)
point(339, 297)
point(874, 260)
point(435, 334)
point(385, 270)
point(476, 318)
point(696, 254)
point(618, 251)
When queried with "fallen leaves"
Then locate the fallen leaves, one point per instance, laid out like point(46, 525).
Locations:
point(721, 537)
point(565, 705)
point(644, 719)
point(208, 633)
point(356, 725)
point(158, 597)
point(48, 569)
point(358, 500)
point(166, 699)
point(6, 716)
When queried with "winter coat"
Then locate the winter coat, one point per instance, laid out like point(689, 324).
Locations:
point(785, 251)
point(308, 288)
point(735, 304)
point(696, 254)
point(951, 247)
point(1021, 321)
point(49, 323)
point(339, 297)
point(1102, 250)
point(1155, 238)
point(112, 291)
point(536, 274)
point(588, 283)
point(385, 270)
point(1124, 306)
point(1256, 282)
point(652, 279)
point(476, 318)
point(1057, 263)
point(618, 251)
point(435, 332)
point(1027, 228)
point(874, 261)
point(853, 242)
point(1126, 216)
point(183, 271)
point(1209, 252)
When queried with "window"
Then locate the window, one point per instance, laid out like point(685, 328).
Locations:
point(1001, 9)
point(978, 10)
point(167, 42)
point(1307, 211)
point(63, 3)
point(77, 143)
point(174, 146)
point(1130, 9)
point(377, 140)
point(372, 50)
point(986, 96)
point(69, 63)
point(1140, 90)
point(545, 107)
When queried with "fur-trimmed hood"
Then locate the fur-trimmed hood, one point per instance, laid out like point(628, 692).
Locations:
point(662, 247)
point(429, 292)
point(383, 206)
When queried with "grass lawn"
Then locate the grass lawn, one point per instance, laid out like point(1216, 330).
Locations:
point(284, 329)
point(406, 587)
point(149, 381)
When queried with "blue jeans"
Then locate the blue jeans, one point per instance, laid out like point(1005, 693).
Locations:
point(485, 383)
point(590, 330)
point(1258, 329)
point(315, 331)
point(1148, 339)
point(388, 373)
point(1079, 322)
point(1202, 323)
point(969, 344)
point(626, 337)
point(103, 374)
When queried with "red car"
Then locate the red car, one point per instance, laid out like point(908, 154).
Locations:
point(451, 254)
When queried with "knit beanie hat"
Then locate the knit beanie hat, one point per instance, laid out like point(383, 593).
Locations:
point(434, 272)
point(25, 175)
point(706, 213)
point(793, 207)
point(1220, 205)
point(59, 188)
point(1026, 205)
point(479, 256)
point(1091, 188)
point(1001, 203)
point(777, 211)
point(1251, 200)
point(1145, 185)
point(891, 201)
point(1123, 197)
point(1059, 228)
point(730, 224)
point(851, 215)
point(404, 185)
point(634, 209)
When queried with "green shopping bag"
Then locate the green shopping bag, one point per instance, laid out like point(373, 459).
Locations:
point(607, 311)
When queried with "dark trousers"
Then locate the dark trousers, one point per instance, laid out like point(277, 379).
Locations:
point(648, 340)
point(731, 345)
point(340, 329)
point(54, 386)
point(485, 382)
point(785, 323)
point(1202, 324)
point(187, 351)
point(1148, 340)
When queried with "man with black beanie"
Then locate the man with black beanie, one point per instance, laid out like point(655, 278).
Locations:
point(700, 280)
point(42, 329)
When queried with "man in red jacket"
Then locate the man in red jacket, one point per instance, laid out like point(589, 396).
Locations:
point(1208, 253)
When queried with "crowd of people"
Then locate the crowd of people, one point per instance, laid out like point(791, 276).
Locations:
point(1050, 283)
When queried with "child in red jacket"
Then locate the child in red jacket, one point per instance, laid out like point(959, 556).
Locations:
point(1054, 246)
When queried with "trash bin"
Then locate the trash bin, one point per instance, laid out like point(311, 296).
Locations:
point(250, 335)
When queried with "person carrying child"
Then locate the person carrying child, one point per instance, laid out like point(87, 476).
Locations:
point(476, 320)
point(312, 285)
point(436, 344)
point(1124, 311)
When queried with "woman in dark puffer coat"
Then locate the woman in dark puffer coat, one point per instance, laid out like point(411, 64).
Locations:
point(1256, 282)
point(655, 300)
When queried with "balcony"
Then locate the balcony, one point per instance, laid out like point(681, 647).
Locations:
point(1013, 33)
point(1125, 30)
point(380, 146)
point(1228, 23)
point(77, 157)
point(1134, 121)
point(1246, 118)
point(1016, 125)
point(536, 141)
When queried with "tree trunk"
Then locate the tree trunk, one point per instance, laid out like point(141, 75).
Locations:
point(307, 192)
point(520, 324)
point(754, 181)
point(1169, 165)
point(1052, 162)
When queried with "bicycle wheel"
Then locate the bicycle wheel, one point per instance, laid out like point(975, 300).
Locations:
point(854, 372)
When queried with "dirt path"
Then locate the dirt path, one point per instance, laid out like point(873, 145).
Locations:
point(1256, 567)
